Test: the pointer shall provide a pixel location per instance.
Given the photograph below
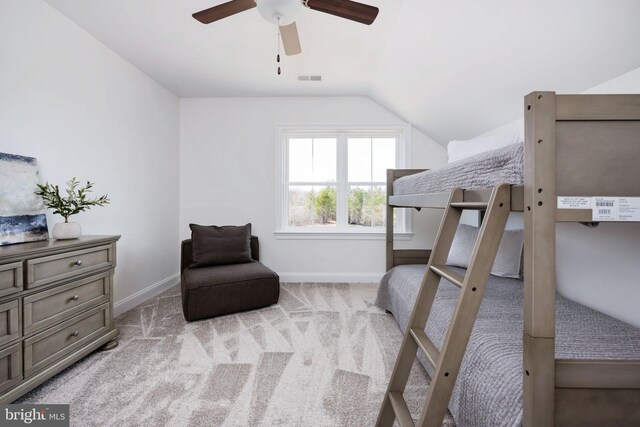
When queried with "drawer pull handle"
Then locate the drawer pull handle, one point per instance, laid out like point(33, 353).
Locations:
point(78, 262)
point(74, 334)
point(75, 298)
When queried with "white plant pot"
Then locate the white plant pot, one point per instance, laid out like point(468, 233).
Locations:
point(66, 230)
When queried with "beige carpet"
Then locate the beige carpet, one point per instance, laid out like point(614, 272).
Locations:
point(321, 357)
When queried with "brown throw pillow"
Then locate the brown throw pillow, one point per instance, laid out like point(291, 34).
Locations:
point(214, 245)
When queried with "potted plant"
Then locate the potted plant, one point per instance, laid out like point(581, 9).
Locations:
point(76, 201)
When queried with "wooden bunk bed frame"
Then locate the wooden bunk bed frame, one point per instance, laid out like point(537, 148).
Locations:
point(579, 146)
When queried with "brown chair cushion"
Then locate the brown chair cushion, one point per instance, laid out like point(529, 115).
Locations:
point(224, 289)
point(194, 278)
point(213, 245)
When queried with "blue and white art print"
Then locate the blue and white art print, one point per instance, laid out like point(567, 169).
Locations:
point(22, 217)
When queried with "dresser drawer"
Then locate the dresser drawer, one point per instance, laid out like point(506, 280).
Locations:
point(9, 321)
point(41, 271)
point(10, 278)
point(10, 366)
point(46, 308)
point(51, 345)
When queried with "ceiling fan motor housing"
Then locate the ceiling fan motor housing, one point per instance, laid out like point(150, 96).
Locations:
point(279, 12)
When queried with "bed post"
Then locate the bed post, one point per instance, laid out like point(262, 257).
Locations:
point(389, 233)
point(539, 259)
point(400, 256)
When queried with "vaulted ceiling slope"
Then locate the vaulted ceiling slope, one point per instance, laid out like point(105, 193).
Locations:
point(458, 68)
point(451, 68)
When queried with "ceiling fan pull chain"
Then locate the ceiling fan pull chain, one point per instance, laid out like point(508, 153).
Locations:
point(278, 55)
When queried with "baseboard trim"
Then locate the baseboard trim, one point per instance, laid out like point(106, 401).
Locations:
point(141, 296)
point(287, 277)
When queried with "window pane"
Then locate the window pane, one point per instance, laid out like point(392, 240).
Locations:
point(383, 157)
point(312, 206)
point(359, 159)
point(324, 159)
point(367, 206)
point(300, 159)
point(312, 159)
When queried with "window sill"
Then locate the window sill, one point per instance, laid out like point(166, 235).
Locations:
point(338, 235)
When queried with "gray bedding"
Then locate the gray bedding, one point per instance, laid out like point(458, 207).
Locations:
point(504, 165)
point(488, 391)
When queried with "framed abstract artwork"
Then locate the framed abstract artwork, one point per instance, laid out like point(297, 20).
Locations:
point(22, 217)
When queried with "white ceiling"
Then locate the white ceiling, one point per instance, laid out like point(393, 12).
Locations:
point(458, 68)
point(235, 56)
point(451, 68)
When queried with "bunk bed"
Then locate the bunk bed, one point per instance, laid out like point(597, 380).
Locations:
point(533, 357)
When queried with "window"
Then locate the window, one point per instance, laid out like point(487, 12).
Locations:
point(332, 181)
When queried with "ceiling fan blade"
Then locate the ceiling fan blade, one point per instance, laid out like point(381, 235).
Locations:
point(347, 9)
point(290, 39)
point(223, 10)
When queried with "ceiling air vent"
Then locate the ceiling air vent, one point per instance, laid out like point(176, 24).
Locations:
point(309, 77)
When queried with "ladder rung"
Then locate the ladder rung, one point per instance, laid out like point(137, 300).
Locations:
point(470, 205)
point(448, 274)
point(401, 409)
point(427, 346)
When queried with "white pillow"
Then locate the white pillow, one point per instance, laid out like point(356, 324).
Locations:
point(508, 258)
point(458, 150)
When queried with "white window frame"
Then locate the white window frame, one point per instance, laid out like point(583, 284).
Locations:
point(341, 133)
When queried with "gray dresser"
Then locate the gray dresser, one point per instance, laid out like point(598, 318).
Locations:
point(56, 306)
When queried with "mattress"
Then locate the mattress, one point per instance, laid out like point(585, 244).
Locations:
point(488, 391)
point(504, 165)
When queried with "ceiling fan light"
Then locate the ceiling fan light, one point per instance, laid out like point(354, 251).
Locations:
point(282, 12)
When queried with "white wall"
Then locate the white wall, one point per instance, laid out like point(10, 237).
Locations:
point(626, 83)
point(83, 111)
point(227, 176)
point(599, 267)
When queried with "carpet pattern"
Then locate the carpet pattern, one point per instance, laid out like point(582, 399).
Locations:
point(321, 357)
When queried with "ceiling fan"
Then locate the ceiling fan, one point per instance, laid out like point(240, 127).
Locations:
point(283, 14)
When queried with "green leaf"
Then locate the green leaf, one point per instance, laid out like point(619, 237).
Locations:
point(76, 200)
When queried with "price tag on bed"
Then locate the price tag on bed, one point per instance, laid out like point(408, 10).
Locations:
point(615, 208)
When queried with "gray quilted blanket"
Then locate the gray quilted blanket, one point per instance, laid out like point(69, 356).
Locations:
point(504, 165)
point(488, 391)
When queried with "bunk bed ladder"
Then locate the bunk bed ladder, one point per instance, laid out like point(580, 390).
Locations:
point(446, 362)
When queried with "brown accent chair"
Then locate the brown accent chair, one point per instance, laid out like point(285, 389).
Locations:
point(225, 289)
